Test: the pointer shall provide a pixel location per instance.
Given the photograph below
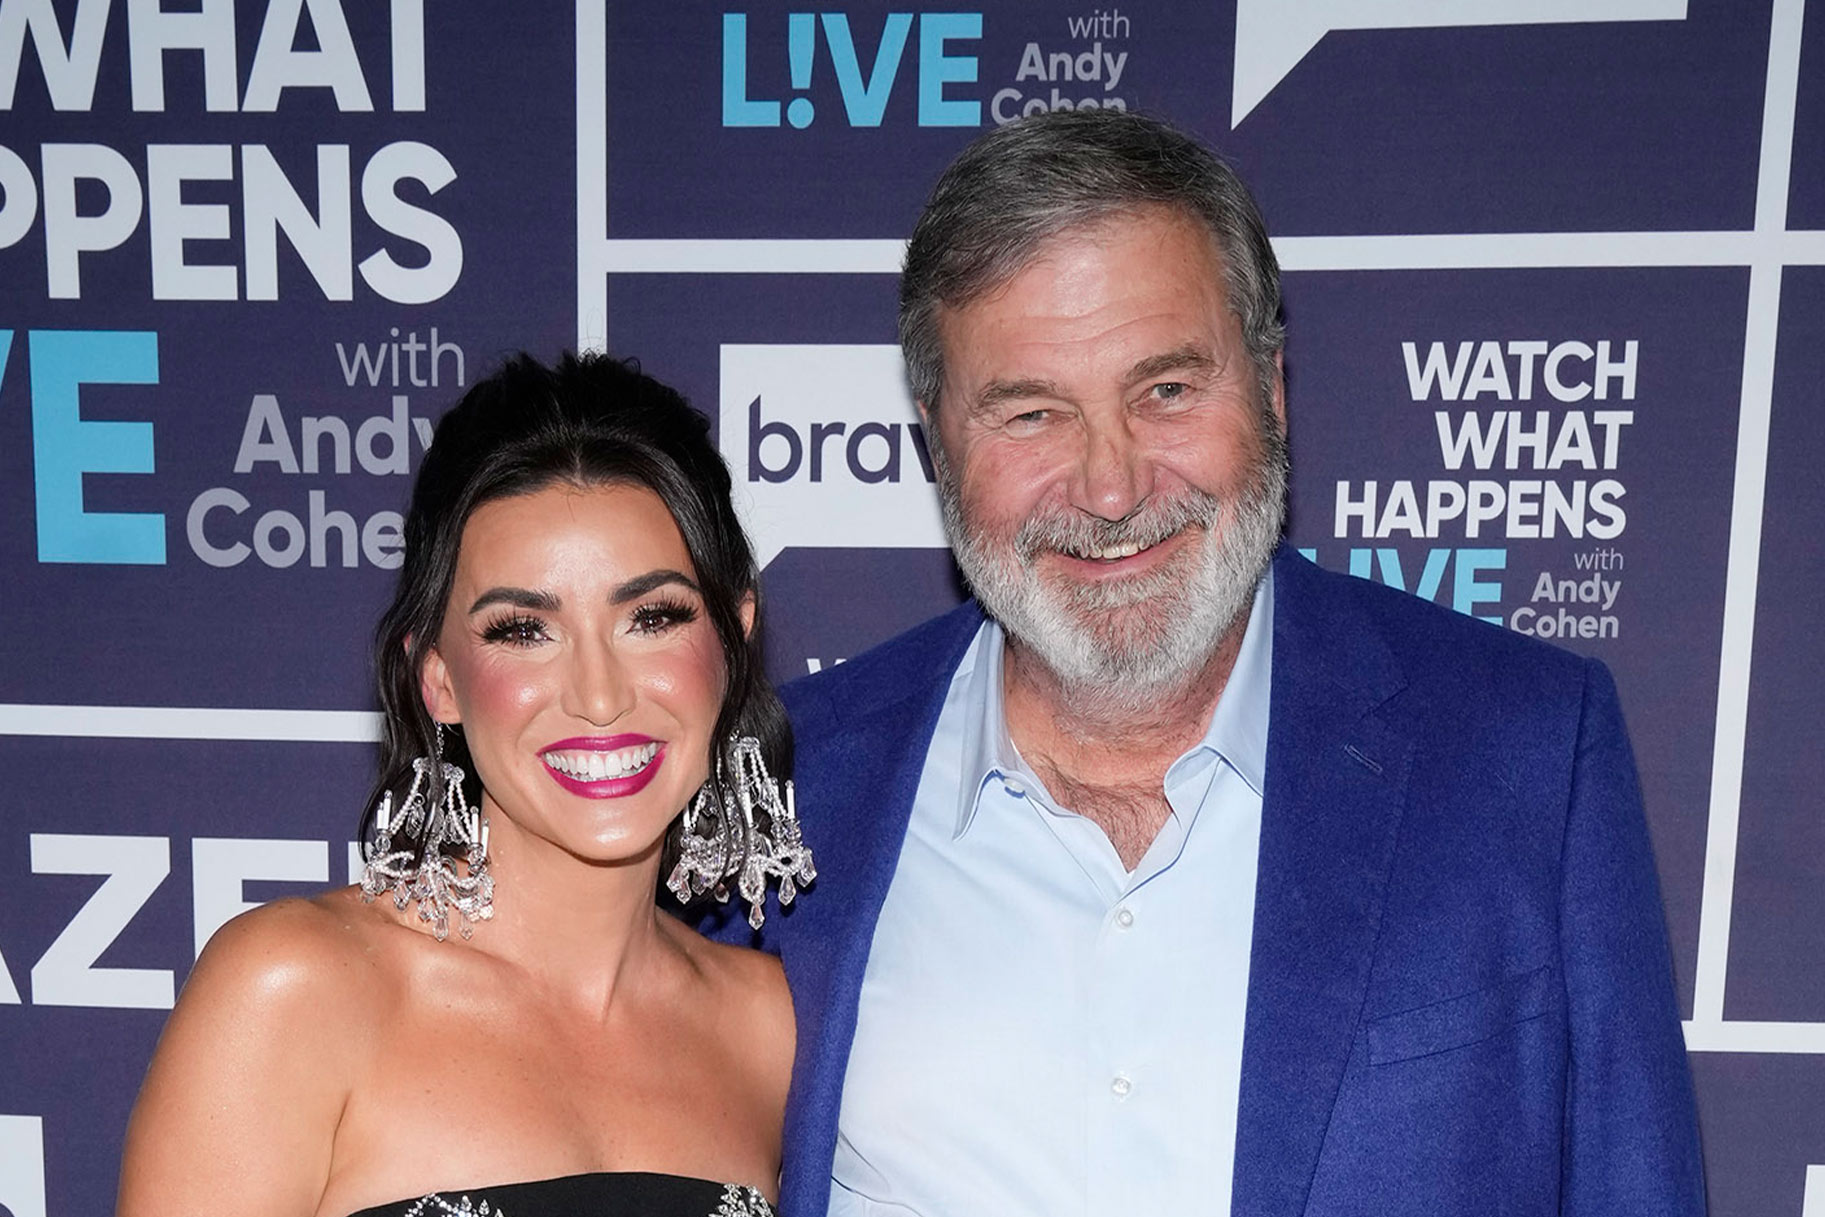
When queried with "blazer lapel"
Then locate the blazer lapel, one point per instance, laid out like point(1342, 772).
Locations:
point(865, 750)
point(1336, 778)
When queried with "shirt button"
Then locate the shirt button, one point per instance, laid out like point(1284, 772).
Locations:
point(1120, 1086)
point(1124, 918)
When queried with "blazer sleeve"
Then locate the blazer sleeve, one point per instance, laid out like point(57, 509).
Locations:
point(1631, 1132)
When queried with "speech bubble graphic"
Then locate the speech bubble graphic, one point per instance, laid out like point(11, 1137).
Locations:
point(1272, 36)
point(826, 450)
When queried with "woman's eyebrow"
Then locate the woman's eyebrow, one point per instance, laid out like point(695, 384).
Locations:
point(518, 597)
point(640, 585)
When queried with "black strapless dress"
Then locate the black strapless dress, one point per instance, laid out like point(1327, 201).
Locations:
point(617, 1194)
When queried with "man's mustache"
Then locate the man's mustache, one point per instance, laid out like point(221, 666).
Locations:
point(1078, 534)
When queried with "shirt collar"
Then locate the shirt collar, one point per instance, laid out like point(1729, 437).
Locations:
point(1238, 729)
point(1237, 732)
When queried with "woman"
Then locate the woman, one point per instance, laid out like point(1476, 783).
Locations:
point(573, 628)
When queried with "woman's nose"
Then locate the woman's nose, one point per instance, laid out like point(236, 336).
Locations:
point(599, 689)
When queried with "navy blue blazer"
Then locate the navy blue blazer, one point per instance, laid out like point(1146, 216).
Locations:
point(1460, 997)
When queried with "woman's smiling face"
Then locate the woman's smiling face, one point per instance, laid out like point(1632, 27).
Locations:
point(577, 654)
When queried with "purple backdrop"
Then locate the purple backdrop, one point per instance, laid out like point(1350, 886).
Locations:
point(1556, 301)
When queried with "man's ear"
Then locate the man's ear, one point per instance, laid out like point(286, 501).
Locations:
point(747, 607)
point(1280, 389)
point(925, 420)
point(435, 687)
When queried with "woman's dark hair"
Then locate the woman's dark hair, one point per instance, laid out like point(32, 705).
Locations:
point(590, 421)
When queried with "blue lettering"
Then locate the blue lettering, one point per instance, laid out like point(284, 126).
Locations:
point(64, 446)
point(801, 45)
point(865, 101)
point(1429, 577)
point(1467, 591)
point(737, 109)
point(936, 69)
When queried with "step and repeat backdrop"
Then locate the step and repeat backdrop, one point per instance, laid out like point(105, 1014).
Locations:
point(1555, 278)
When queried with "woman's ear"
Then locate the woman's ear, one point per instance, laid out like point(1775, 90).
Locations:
point(435, 687)
point(747, 608)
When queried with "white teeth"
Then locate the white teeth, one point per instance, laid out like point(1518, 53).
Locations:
point(600, 766)
point(1113, 552)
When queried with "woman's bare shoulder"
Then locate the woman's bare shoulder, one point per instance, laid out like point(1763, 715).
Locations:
point(307, 951)
point(295, 982)
point(285, 1001)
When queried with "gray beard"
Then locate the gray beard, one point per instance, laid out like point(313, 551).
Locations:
point(1131, 642)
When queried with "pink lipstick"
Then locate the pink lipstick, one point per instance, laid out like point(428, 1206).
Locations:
point(604, 767)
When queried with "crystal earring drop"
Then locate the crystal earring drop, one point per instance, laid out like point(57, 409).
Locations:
point(447, 829)
point(714, 846)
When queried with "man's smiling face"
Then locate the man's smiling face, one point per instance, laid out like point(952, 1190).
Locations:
point(1113, 487)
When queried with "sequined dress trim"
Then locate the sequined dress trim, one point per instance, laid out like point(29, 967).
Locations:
point(741, 1201)
point(600, 1195)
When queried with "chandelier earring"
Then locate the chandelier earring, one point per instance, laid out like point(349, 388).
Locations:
point(437, 816)
point(739, 827)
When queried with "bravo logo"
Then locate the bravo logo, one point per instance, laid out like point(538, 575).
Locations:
point(826, 449)
point(864, 82)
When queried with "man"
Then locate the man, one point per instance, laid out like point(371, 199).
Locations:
point(1173, 874)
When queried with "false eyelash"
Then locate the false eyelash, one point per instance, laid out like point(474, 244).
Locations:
point(668, 613)
point(517, 630)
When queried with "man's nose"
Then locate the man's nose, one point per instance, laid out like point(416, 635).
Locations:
point(599, 689)
point(1115, 473)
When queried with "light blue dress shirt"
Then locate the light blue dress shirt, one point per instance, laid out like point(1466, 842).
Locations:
point(1041, 1030)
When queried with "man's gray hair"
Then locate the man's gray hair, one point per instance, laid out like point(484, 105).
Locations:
point(1018, 186)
